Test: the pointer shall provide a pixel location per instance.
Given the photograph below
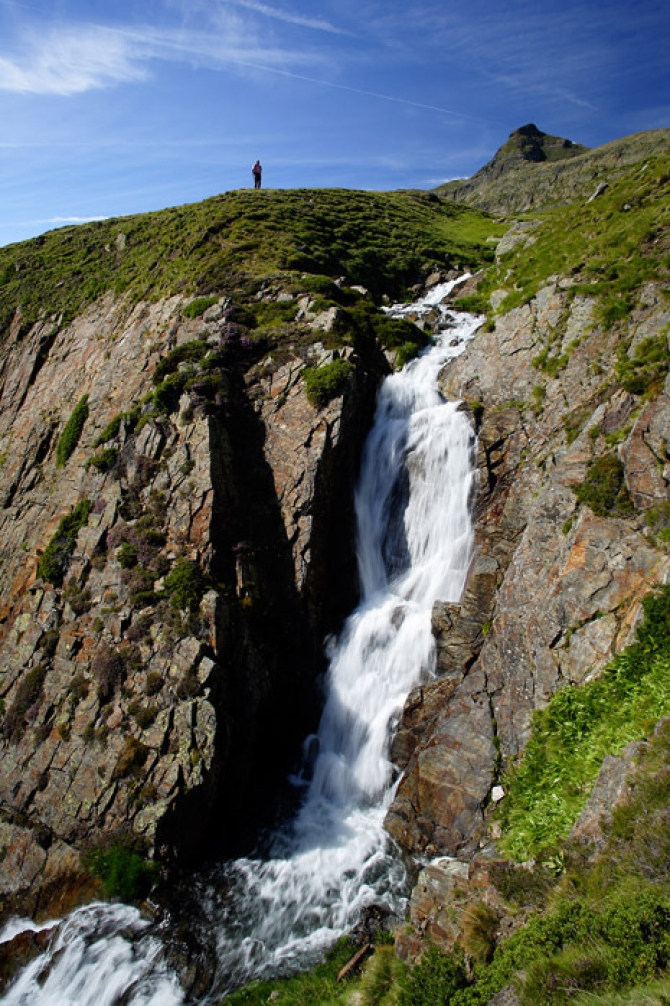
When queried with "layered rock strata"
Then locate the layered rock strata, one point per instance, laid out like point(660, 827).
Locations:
point(162, 601)
point(555, 589)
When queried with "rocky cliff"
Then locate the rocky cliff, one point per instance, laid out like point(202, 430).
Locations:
point(167, 584)
point(183, 401)
point(572, 403)
point(555, 588)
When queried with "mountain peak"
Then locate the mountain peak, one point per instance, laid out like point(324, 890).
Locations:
point(528, 143)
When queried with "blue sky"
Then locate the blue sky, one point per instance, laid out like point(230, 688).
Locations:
point(117, 108)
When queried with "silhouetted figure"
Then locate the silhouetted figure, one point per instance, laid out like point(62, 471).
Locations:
point(257, 171)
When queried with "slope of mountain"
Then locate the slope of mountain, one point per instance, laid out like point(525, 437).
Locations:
point(533, 170)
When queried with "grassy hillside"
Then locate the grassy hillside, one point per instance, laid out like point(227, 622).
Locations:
point(385, 241)
point(609, 246)
point(525, 176)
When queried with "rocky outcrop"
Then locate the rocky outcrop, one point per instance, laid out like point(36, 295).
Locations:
point(555, 588)
point(163, 595)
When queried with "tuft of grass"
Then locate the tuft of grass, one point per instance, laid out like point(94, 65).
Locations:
point(645, 372)
point(657, 519)
point(185, 585)
point(322, 384)
point(27, 696)
point(72, 431)
point(479, 931)
point(198, 306)
point(123, 873)
point(437, 978)
point(56, 557)
point(104, 460)
point(604, 488)
point(378, 985)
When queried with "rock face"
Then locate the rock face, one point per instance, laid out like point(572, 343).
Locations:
point(554, 589)
point(166, 588)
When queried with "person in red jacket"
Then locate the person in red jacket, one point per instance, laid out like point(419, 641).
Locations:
point(257, 171)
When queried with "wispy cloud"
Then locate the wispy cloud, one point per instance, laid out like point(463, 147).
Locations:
point(282, 15)
point(70, 59)
point(52, 221)
point(72, 220)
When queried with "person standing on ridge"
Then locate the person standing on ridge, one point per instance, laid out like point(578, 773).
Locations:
point(257, 171)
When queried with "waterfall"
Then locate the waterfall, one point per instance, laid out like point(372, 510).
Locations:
point(273, 913)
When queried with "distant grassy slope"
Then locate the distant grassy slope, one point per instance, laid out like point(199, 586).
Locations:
point(385, 241)
point(511, 183)
point(610, 246)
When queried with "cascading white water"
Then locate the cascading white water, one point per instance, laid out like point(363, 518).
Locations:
point(98, 956)
point(414, 547)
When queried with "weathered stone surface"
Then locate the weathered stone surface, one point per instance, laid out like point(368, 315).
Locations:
point(446, 890)
point(560, 587)
point(439, 803)
point(141, 715)
point(611, 788)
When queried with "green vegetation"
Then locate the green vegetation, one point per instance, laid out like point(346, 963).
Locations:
point(131, 760)
point(579, 727)
point(111, 430)
point(122, 872)
point(435, 979)
point(604, 488)
point(385, 241)
point(473, 304)
point(185, 585)
point(28, 695)
point(72, 431)
point(198, 306)
point(324, 383)
point(612, 245)
point(645, 372)
point(317, 986)
point(187, 352)
point(55, 559)
point(104, 460)
point(657, 519)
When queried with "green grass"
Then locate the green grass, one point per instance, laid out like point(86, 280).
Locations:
point(547, 790)
point(604, 488)
point(322, 384)
point(612, 246)
point(122, 872)
point(644, 372)
point(318, 986)
point(385, 241)
point(72, 431)
point(55, 559)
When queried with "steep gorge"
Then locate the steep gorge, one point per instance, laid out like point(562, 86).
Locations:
point(161, 689)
